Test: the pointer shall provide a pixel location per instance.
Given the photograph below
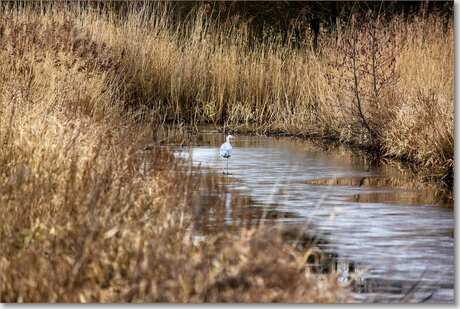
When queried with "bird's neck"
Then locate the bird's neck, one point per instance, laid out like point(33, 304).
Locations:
point(228, 139)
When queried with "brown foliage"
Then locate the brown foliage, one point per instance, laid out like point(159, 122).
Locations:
point(83, 220)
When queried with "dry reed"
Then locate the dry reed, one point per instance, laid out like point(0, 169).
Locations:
point(82, 221)
point(204, 71)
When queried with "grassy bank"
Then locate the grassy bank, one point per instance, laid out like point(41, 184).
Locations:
point(82, 220)
point(384, 84)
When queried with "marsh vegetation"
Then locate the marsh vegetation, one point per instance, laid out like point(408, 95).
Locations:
point(81, 88)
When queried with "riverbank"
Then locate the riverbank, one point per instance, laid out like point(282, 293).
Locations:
point(83, 219)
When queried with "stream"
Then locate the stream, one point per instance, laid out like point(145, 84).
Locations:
point(395, 238)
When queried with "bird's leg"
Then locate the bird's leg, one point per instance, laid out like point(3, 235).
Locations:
point(227, 166)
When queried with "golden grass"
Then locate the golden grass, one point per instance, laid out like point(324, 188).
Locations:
point(82, 221)
point(213, 72)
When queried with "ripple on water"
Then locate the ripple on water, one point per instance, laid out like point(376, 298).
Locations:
point(391, 230)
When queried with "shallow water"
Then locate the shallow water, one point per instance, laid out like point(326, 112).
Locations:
point(386, 232)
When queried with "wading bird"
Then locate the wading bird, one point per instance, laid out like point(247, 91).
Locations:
point(226, 150)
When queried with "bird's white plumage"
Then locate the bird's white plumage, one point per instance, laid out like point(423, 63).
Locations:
point(226, 148)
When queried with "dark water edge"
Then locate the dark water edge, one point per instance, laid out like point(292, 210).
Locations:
point(443, 183)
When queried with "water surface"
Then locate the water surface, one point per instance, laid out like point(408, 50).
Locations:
point(393, 236)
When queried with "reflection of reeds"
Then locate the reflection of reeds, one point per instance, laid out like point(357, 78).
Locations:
point(84, 217)
point(413, 192)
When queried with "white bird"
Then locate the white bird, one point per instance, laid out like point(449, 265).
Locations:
point(226, 150)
